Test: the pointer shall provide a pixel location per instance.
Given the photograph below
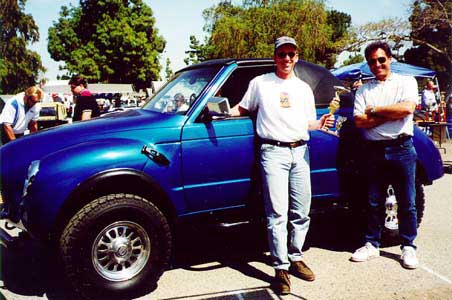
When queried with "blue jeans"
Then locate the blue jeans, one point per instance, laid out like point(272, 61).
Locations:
point(396, 165)
point(287, 196)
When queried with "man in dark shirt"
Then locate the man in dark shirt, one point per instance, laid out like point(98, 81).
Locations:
point(85, 104)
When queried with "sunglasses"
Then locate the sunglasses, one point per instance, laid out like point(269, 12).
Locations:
point(372, 61)
point(283, 54)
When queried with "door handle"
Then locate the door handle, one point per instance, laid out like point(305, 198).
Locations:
point(154, 155)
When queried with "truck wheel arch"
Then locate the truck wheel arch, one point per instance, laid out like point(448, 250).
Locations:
point(113, 181)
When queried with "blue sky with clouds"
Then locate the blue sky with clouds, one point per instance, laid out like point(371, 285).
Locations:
point(176, 20)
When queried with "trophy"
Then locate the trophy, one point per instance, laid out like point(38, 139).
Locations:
point(335, 105)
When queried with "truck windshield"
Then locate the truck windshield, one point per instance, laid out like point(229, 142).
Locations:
point(181, 91)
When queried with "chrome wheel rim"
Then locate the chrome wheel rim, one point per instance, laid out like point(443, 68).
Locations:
point(120, 251)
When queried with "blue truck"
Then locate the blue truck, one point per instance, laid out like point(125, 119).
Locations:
point(109, 193)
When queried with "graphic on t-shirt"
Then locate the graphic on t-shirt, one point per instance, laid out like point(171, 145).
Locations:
point(284, 100)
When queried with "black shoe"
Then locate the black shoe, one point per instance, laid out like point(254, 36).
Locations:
point(282, 282)
point(301, 270)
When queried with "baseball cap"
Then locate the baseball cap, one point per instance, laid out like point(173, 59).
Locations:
point(284, 40)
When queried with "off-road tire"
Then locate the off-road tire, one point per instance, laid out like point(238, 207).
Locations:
point(112, 220)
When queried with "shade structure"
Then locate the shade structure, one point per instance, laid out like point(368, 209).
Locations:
point(320, 80)
point(361, 71)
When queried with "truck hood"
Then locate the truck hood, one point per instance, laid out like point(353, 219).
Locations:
point(115, 124)
point(137, 125)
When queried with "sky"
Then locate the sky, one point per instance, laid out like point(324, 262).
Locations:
point(176, 20)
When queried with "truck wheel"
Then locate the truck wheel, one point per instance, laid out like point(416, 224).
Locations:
point(390, 234)
point(116, 246)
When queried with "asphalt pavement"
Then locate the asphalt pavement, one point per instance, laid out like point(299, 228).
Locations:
point(233, 263)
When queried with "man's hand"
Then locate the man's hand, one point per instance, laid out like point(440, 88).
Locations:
point(327, 121)
point(369, 110)
point(238, 111)
point(391, 112)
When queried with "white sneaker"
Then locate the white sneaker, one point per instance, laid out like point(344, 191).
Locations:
point(408, 257)
point(365, 253)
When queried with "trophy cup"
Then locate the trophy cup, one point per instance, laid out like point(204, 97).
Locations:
point(334, 106)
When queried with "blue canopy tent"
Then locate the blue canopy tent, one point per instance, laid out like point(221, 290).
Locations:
point(362, 71)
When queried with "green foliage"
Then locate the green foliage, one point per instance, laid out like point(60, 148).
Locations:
point(19, 67)
point(353, 59)
point(197, 53)
point(168, 71)
point(427, 34)
point(340, 23)
point(393, 30)
point(431, 23)
point(249, 30)
point(112, 41)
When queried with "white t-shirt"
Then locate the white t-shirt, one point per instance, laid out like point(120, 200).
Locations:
point(397, 88)
point(284, 107)
point(429, 99)
point(14, 113)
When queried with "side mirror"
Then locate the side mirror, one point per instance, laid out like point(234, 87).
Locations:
point(217, 108)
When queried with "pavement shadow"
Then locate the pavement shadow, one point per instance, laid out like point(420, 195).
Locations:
point(336, 231)
point(237, 247)
point(32, 269)
point(234, 247)
point(29, 268)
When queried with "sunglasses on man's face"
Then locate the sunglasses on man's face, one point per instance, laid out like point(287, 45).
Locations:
point(284, 54)
point(373, 61)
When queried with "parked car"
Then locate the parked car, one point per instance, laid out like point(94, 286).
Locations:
point(127, 179)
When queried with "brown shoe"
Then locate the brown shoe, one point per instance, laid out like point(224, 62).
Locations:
point(301, 270)
point(282, 282)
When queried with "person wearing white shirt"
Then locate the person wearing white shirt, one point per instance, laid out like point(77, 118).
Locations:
point(181, 105)
point(20, 113)
point(429, 97)
point(285, 113)
point(384, 110)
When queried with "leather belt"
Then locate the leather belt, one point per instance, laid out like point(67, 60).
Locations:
point(393, 142)
point(284, 144)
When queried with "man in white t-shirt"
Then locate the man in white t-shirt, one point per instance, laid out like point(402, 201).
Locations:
point(20, 113)
point(384, 110)
point(429, 97)
point(181, 105)
point(285, 112)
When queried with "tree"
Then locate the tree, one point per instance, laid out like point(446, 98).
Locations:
point(431, 33)
point(108, 41)
point(353, 59)
point(393, 30)
point(19, 66)
point(249, 30)
point(168, 71)
point(427, 36)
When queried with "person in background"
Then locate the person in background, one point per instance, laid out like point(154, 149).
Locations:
point(428, 98)
point(68, 104)
point(117, 100)
point(85, 104)
point(356, 85)
point(56, 98)
point(285, 113)
point(181, 105)
point(384, 110)
point(20, 113)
